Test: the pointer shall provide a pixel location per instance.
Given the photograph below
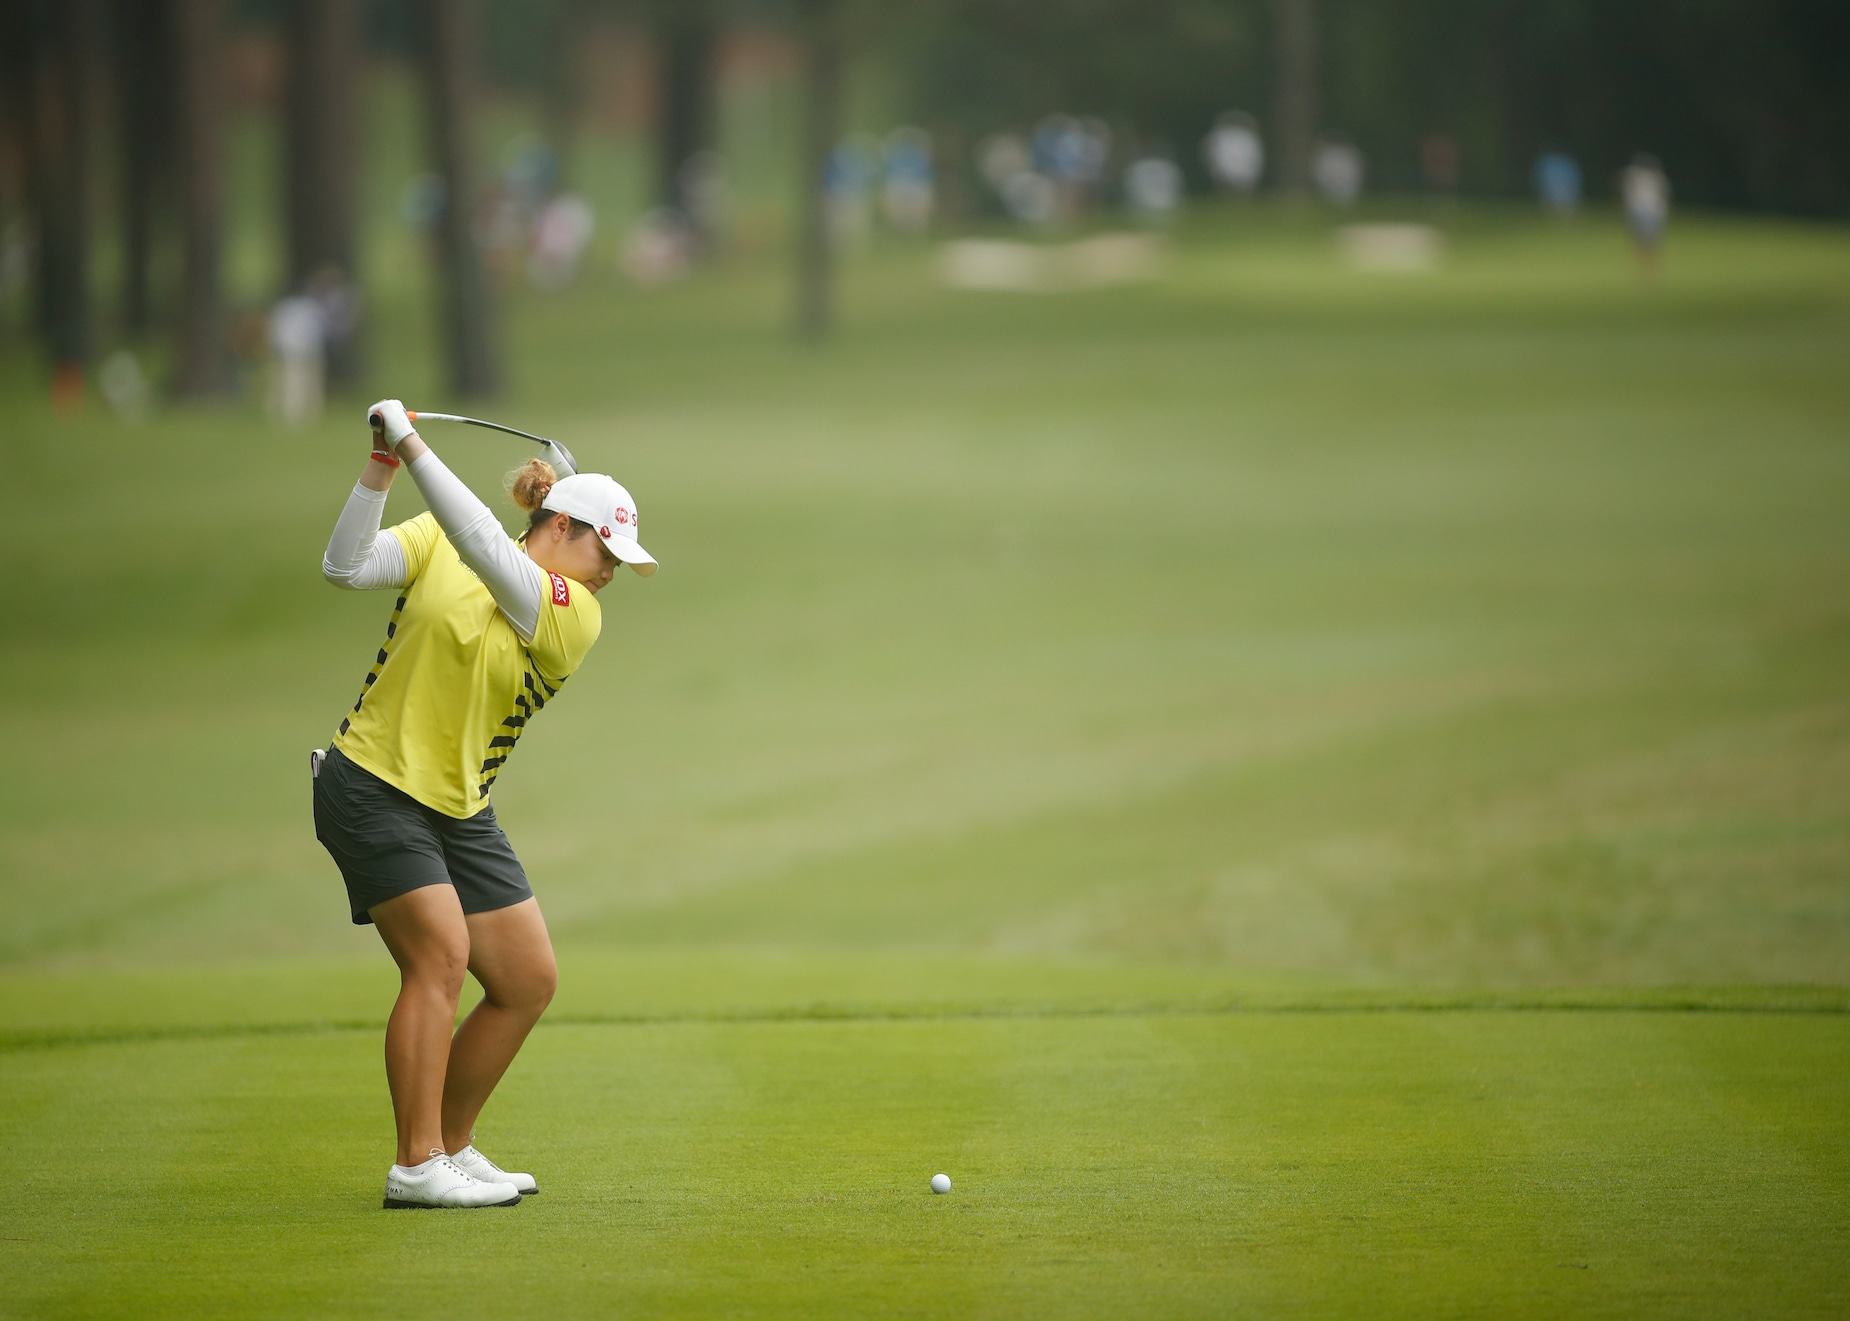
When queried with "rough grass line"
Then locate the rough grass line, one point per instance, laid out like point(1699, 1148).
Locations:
point(1824, 1001)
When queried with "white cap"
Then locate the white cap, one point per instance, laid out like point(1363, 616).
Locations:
point(591, 497)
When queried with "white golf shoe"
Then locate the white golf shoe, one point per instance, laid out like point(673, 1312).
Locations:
point(488, 1172)
point(441, 1182)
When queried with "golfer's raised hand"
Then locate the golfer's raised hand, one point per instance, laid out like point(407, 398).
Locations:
point(389, 423)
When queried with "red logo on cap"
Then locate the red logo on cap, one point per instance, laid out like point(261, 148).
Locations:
point(561, 593)
point(623, 515)
point(604, 531)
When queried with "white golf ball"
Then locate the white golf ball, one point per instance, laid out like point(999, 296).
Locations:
point(941, 1183)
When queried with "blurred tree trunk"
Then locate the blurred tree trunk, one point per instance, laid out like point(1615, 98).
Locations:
point(145, 106)
point(685, 120)
point(822, 111)
point(322, 38)
point(200, 73)
point(52, 51)
point(466, 329)
point(1294, 109)
point(1509, 72)
point(17, 198)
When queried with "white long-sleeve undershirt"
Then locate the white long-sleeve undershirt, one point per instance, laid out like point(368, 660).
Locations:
point(358, 558)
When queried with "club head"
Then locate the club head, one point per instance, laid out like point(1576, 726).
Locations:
point(561, 459)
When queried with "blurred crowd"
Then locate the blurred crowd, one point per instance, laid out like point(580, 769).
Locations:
point(530, 228)
point(999, 115)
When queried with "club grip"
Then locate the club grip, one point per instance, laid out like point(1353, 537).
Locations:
point(375, 421)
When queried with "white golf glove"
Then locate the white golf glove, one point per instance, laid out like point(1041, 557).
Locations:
point(388, 418)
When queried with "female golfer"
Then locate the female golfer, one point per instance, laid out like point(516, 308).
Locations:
point(485, 632)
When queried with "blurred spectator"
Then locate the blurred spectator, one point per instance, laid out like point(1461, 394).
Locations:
point(1336, 170)
point(848, 183)
point(1645, 191)
point(1153, 185)
point(500, 230)
point(1073, 153)
point(907, 194)
point(1000, 157)
point(1235, 153)
point(658, 248)
point(1557, 182)
point(532, 173)
point(561, 232)
point(1032, 198)
point(1054, 147)
point(298, 334)
point(125, 386)
point(1439, 162)
point(1094, 153)
point(1006, 165)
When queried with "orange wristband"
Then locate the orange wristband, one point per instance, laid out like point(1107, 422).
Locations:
point(385, 457)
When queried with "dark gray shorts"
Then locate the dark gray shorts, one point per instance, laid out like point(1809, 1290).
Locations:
point(386, 843)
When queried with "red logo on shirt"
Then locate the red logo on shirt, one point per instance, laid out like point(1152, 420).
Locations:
point(561, 594)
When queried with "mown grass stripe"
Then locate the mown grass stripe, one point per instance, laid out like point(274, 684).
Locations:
point(1826, 1001)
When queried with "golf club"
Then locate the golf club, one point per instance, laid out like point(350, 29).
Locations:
point(556, 454)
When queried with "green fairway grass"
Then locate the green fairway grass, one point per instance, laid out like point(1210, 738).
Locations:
point(1407, 1163)
point(1305, 792)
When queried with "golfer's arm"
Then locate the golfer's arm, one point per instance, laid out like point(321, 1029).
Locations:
point(357, 557)
point(514, 580)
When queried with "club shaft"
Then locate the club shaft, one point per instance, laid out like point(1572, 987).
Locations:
point(562, 459)
point(475, 422)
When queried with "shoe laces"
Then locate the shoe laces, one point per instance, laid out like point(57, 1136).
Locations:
point(476, 1155)
point(446, 1159)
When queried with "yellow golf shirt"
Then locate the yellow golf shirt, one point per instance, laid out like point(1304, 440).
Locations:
point(454, 685)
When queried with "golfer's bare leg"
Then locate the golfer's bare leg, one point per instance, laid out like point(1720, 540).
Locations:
point(429, 939)
point(510, 954)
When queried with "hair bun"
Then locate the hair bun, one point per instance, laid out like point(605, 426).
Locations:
point(530, 483)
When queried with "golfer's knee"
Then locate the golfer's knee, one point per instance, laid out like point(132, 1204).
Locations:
point(526, 991)
point(546, 983)
point(440, 969)
point(537, 988)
